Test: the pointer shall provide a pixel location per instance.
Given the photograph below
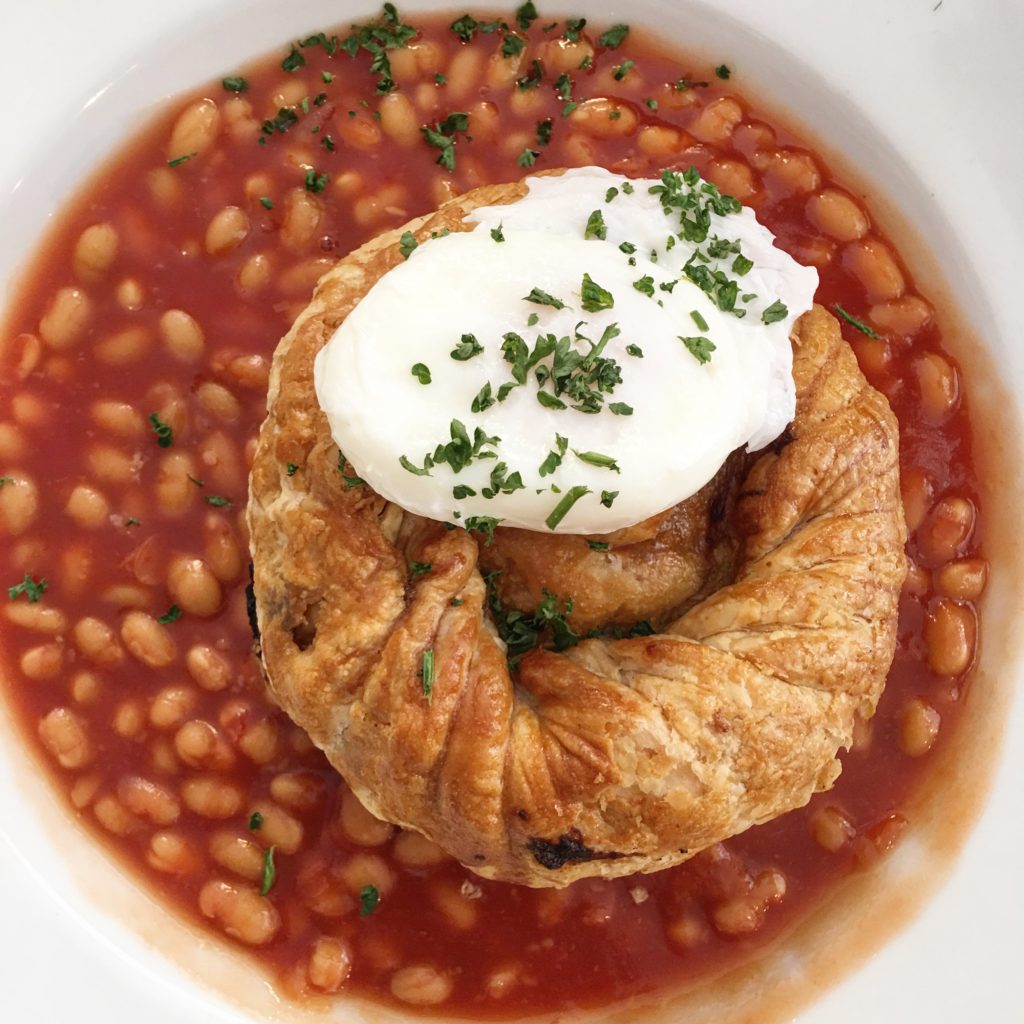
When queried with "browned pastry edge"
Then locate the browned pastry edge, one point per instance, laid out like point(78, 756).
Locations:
point(615, 756)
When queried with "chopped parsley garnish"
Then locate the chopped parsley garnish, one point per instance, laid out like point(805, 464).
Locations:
point(608, 498)
point(376, 38)
point(407, 243)
point(723, 71)
point(421, 372)
point(561, 510)
point(598, 545)
point(628, 248)
point(292, 469)
point(234, 83)
point(682, 84)
point(522, 631)
point(503, 482)
point(533, 78)
point(512, 45)
point(281, 121)
point(411, 467)
point(554, 458)
point(419, 568)
point(573, 28)
point(163, 431)
point(700, 348)
point(349, 481)
point(171, 615)
point(427, 673)
point(597, 459)
point(458, 453)
point(442, 137)
point(645, 285)
point(544, 129)
point(293, 61)
point(483, 524)
point(218, 501)
point(483, 399)
point(328, 143)
point(620, 409)
point(854, 322)
point(614, 37)
point(194, 480)
point(6, 480)
point(266, 202)
point(466, 348)
point(316, 182)
point(269, 871)
point(179, 160)
point(526, 15)
point(498, 234)
point(702, 324)
point(528, 157)
point(650, 103)
point(132, 521)
point(742, 266)
point(255, 821)
point(465, 27)
point(460, 491)
point(549, 401)
point(594, 297)
point(623, 69)
point(596, 227)
point(456, 602)
point(327, 77)
point(29, 587)
point(542, 298)
point(635, 350)
point(774, 313)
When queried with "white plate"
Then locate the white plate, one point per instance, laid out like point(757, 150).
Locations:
point(926, 100)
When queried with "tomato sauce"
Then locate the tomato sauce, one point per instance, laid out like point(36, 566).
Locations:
point(505, 951)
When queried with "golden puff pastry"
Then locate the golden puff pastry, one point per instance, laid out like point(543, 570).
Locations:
point(614, 756)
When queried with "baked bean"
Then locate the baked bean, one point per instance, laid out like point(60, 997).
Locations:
point(238, 120)
point(255, 272)
point(65, 735)
point(211, 797)
point(171, 706)
point(301, 278)
point(226, 231)
point(182, 335)
point(963, 580)
point(118, 418)
point(872, 263)
point(733, 178)
point(260, 741)
point(363, 869)
point(97, 641)
point(30, 410)
point(76, 563)
point(421, 985)
point(42, 662)
point(863, 732)
point(374, 208)
point(716, 122)
point(948, 527)
point(172, 854)
point(19, 504)
point(250, 371)
point(20, 355)
point(330, 964)
point(831, 828)
point(791, 172)
point(149, 800)
point(919, 727)
point(939, 385)
point(501, 981)
point(129, 719)
point(111, 465)
point(38, 617)
point(130, 295)
point(874, 355)
point(464, 74)
point(916, 490)
point(950, 635)
point(241, 912)
point(417, 851)
point(86, 687)
point(95, 252)
point(66, 318)
point(195, 130)
point(237, 854)
point(579, 150)
point(461, 913)
point(300, 791)
point(604, 118)
point(125, 595)
point(84, 790)
point(221, 551)
point(918, 581)
point(200, 745)
point(320, 889)
point(87, 506)
point(302, 216)
point(743, 915)
point(838, 215)
point(175, 491)
point(878, 840)
point(147, 640)
point(114, 816)
point(194, 587)
point(165, 187)
point(359, 132)
point(660, 140)
point(686, 932)
point(208, 668)
point(360, 826)
point(279, 828)
point(221, 463)
point(904, 316)
point(398, 119)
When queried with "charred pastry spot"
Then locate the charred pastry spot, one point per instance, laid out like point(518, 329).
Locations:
point(250, 610)
point(750, 494)
point(524, 815)
point(569, 849)
point(303, 635)
point(787, 437)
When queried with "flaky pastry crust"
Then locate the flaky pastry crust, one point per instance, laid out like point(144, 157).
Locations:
point(615, 756)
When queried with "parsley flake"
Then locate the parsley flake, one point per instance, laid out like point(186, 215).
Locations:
point(179, 160)
point(542, 298)
point(854, 322)
point(255, 821)
point(595, 298)
point(234, 83)
point(171, 615)
point(269, 871)
point(561, 510)
point(528, 157)
point(614, 37)
point(723, 71)
point(163, 431)
point(218, 501)
point(596, 227)
point(635, 350)
point(291, 469)
point(544, 129)
point(427, 673)
point(597, 459)
point(407, 244)
point(620, 409)
point(466, 348)
point(700, 348)
point(29, 587)
point(774, 313)
point(526, 15)
point(421, 372)
point(608, 498)
point(497, 234)
point(623, 69)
